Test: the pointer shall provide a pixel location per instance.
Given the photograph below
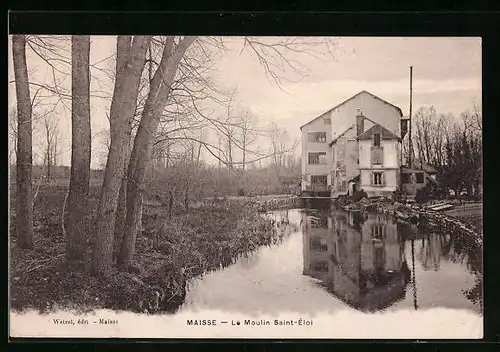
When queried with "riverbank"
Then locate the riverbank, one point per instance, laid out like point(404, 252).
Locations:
point(168, 254)
point(259, 203)
point(420, 215)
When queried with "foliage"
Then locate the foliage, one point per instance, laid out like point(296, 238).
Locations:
point(453, 146)
point(422, 195)
point(360, 194)
point(200, 181)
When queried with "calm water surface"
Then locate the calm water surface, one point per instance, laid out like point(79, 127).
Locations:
point(330, 261)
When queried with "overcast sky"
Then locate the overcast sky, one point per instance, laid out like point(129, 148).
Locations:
point(446, 74)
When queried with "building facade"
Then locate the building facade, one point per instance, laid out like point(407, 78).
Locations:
point(379, 161)
point(365, 157)
point(320, 173)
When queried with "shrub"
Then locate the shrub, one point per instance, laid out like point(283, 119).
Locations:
point(422, 195)
point(241, 192)
point(342, 201)
point(359, 195)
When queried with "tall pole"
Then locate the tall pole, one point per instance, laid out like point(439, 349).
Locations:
point(414, 282)
point(410, 147)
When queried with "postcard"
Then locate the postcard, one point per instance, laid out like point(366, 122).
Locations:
point(245, 187)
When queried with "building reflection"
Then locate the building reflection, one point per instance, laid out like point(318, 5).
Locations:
point(359, 259)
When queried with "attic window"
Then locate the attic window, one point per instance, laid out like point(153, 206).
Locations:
point(328, 121)
point(317, 137)
point(376, 140)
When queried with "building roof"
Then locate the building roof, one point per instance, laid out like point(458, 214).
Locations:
point(354, 96)
point(340, 135)
point(416, 163)
point(377, 128)
point(355, 179)
point(406, 169)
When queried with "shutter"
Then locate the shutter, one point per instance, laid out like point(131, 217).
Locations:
point(372, 176)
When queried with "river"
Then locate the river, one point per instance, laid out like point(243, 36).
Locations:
point(334, 275)
point(332, 262)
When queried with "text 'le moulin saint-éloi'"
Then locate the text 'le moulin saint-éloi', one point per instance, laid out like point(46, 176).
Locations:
point(250, 322)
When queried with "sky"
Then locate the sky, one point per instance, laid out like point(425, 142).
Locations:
point(446, 74)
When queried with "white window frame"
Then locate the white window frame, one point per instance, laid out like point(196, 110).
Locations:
point(382, 179)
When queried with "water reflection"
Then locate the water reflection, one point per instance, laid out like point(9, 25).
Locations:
point(369, 261)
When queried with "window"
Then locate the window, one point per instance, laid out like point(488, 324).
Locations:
point(378, 258)
point(377, 155)
point(377, 178)
point(328, 121)
point(419, 177)
point(378, 231)
point(319, 180)
point(405, 178)
point(317, 158)
point(342, 186)
point(316, 137)
point(376, 140)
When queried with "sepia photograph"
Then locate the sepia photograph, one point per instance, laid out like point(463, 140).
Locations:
point(245, 187)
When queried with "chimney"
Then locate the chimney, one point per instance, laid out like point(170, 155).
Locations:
point(360, 123)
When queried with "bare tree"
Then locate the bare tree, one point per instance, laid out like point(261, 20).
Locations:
point(130, 61)
point(425, 121)
point(248, 136)
point(80, 149)
point(230, 131)
point(24, 211)
point(51, 141)
point(153, 108)
point(281, 144)
point(12, 135)
point(156, 102)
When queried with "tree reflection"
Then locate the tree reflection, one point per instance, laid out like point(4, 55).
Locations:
point(457, 248)
point(360, 258)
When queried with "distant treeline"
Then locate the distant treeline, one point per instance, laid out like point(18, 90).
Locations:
point(56, 172)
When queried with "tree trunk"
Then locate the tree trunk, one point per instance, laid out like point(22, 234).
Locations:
point(24, 204)
point(170, 204)
point(143, 142)
point(199, 154)
point(47, 135)
point(121, 210)
point(80, 148)
point(244, 151)
point(129, 66)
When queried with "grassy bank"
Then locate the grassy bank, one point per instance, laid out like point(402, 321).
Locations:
point(169, 252)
